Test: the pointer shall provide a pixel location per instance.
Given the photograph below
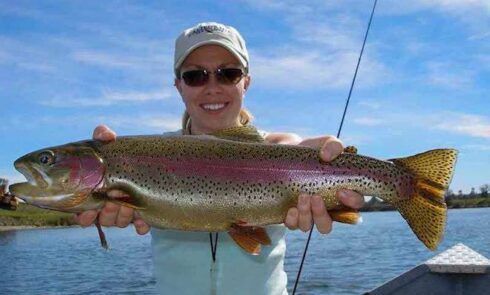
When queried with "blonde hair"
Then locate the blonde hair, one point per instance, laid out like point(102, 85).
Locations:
point(245, 118)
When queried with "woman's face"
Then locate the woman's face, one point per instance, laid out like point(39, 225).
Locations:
point(213, 106)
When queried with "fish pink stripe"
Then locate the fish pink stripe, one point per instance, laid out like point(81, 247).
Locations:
point(239, 170)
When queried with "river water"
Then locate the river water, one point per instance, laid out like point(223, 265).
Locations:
point(350, 260)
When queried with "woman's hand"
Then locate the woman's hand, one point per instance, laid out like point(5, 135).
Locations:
point(112, 214)
point(311, 209)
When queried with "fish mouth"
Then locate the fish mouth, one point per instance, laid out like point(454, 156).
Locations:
point(34, 176)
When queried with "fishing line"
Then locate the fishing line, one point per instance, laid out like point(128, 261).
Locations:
point(338, 134)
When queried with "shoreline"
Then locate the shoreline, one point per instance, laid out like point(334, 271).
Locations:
point(4, 228)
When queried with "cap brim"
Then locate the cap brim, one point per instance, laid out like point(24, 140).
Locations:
point(227, 46)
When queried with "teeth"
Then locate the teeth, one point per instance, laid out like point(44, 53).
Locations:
point(215, 106)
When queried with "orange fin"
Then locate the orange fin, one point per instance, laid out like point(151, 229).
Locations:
point(346, 215)
point(350, 149)
point(127, 204)
point(249, 238)
point(122, 198)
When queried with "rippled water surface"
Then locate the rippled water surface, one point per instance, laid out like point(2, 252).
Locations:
point(351, 260)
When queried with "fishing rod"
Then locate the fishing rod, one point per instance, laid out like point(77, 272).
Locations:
point(338, 134)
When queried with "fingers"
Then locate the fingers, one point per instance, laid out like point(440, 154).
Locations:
point(108, 215)
point(330, 146)
point(124, 216)
point(104, 133)
point(304, 209)
point(292, 219)
point(140, 226)
point(331, 149)
point(310, 209)
point(321, 218)
point(86, 218)
point(350, 199)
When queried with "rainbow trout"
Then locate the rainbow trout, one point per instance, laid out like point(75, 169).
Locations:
point(216, 183)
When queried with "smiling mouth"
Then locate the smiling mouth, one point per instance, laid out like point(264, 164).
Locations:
point(214, 106)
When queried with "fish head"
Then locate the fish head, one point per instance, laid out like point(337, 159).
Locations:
point(61, 178)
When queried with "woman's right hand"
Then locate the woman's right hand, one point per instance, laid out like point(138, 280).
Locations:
point(112, 214)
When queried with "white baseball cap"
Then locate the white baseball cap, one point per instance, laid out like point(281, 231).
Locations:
point(210, 33)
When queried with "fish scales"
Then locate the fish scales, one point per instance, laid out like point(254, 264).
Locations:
point(195, 183)
point(204, 183)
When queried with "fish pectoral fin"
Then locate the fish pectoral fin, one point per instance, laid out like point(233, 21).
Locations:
point(249, 238)
point(121, 198)
point(127, 204)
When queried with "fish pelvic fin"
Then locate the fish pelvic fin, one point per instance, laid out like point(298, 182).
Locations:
point(425, 211)
point(249, 238)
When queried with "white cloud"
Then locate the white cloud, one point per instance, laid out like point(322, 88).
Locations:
point(313, 69)
point(467, 124)
point(109, 98)
point(368, 121)
point(151, 122)
point(480, 36)
point(112, 60)
point(477, 147)
point(369, 104)
point(449, 75)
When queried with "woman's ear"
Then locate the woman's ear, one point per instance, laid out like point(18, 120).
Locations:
point(248, 80)
point(178, 85)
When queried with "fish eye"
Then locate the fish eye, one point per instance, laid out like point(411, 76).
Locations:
point(46, 158)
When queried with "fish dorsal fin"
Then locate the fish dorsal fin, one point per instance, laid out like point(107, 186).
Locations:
point(249, 238)
point(242, 133)
point(350, 149)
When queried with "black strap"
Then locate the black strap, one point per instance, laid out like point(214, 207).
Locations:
point(338, 135)
point(214, 245)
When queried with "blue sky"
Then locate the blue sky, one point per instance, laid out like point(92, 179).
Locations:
point(67, 66)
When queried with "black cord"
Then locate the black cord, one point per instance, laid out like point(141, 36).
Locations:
point(214, 246)
point(338, 134)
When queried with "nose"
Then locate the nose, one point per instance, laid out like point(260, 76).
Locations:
point(213, 86)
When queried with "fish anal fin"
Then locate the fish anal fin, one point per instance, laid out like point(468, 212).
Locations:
point(345, 215)
point(249, 238)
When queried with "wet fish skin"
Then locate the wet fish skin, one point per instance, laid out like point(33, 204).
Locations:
point(202, 183)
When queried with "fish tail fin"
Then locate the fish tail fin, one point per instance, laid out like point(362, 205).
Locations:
point(425, 210)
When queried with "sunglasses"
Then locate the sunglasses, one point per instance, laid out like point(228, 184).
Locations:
point(227, 76)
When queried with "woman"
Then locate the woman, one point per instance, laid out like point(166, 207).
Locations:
point(212, 76)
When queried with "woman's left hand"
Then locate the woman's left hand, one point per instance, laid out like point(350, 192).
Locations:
point(311, 209)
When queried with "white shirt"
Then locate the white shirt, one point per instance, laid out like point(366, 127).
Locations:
point(183, 263)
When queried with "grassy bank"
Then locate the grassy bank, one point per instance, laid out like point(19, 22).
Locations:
point(452, 203)
point(27, 215)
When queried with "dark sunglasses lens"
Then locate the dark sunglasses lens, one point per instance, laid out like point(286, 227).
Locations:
point(229, 76)
point(195, 78)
